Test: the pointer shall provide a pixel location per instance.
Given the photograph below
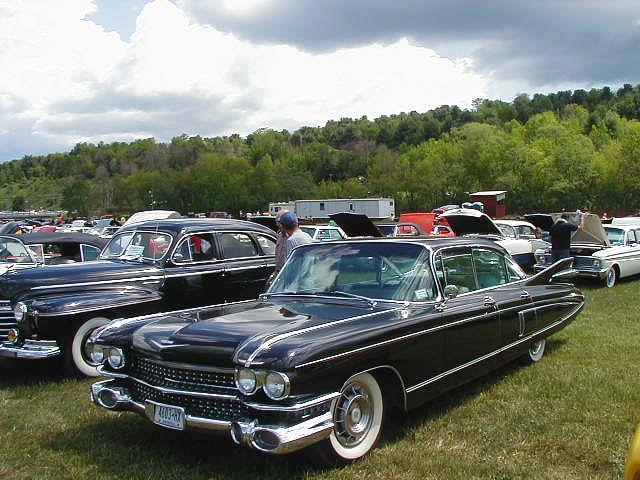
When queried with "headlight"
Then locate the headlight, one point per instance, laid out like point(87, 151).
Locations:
point(276, 385)
point(96, 353)
point(246, 381)
point(116, 358)
point(596, 263)
point(19, 311)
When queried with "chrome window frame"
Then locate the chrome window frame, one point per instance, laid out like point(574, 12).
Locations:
point(184, 238)
point(164, 232)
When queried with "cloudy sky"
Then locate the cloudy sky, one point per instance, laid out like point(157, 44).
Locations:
point(107, 70)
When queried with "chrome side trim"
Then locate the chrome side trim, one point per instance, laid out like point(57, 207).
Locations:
point(97, 282)
point(190, 274)
point(267, 343)
point(75, 312)
point(417, 334)
point(292, 408)
point(491, 354)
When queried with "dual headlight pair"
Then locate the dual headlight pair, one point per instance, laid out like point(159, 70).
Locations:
point(114, 356)
point(275, 385)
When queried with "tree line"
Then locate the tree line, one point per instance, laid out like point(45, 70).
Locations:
point(561, 150)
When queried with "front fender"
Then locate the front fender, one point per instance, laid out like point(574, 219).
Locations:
point(83, 302)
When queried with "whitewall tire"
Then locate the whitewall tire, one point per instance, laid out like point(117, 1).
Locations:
point(78, 361)
point(610, 279)
point(358, 416)
point(536, 350)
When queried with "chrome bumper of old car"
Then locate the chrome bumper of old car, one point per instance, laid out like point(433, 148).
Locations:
point(30, 350)
point(267, 438)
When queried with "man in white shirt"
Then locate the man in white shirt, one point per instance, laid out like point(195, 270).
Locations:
point(292, 232)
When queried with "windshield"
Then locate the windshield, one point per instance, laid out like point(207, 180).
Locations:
point(507, 230)
point(375, 270)
point(137, 245)
point(615, 235)
point(14, 251)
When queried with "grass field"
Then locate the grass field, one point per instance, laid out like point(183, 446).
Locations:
point(570, 416)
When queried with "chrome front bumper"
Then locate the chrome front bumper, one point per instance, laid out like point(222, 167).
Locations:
point(273, 439)
point(30, 350)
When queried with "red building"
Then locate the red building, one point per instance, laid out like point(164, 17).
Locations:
point(493, 201)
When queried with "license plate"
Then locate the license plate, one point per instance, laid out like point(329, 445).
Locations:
point(168, 416)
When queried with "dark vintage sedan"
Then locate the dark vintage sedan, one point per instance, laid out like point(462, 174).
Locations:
point(346, 330)
point(145, 268)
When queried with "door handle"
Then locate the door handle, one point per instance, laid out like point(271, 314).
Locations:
point(489, 301)
point(525, 294)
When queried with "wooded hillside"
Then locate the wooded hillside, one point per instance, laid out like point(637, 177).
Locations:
point(555, 151)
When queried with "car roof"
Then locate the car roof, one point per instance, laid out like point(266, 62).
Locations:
point(435, 243)
point(187, 225)
point(514, 223)
point(59, 238)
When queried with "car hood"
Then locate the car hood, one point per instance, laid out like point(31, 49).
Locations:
point(592, 232)
point(63, 277)
point(467, 221)
point(356, 225)
point(227, 334)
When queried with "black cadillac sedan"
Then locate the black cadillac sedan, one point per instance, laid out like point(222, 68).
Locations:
point(346, 330)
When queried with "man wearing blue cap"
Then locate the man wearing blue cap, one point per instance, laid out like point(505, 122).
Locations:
point(292, 232)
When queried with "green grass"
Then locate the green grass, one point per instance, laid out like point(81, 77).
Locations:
point(570, 416)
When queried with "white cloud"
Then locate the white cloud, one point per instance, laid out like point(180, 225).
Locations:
point(75, 82)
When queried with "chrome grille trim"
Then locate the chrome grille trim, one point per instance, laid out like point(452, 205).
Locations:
point(7, 320)
point(194, 379)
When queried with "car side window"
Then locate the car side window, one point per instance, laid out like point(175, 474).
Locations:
point(268, 245)
point(514, 272)
point(458, 269)
point(89, 253)
point(631, 237)
point(490, 268)
point(334, 234)
point(195, 248)
point(237, 245)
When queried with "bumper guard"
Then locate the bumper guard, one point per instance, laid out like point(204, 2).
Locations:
point(30, 350)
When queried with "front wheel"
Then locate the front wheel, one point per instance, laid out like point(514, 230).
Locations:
point(357, 416)
point(610, 279)
point(77, 359)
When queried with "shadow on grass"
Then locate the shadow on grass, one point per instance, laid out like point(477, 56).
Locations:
point(400, 424)
point(14, 373)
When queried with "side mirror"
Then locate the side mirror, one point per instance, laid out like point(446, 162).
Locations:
point(564, 276)
point(178, 257)
point(451, 291)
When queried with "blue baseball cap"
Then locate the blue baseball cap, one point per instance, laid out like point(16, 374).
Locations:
point(289, 219)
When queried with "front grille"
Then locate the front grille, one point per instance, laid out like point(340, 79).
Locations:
point(192, 378)
point(7, 320)
point(211, 408)
point(580, 262)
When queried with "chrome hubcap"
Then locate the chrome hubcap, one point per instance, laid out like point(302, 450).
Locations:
point(353, 415)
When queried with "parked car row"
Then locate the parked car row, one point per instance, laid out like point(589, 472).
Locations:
point(180, 319)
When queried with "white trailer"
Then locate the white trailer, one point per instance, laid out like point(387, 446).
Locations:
point(275, 207)
point(374, 208)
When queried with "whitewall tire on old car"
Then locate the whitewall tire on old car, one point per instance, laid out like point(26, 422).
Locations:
point(536, 350)
point(610, 279)
point(78, 360)
point(358, 415)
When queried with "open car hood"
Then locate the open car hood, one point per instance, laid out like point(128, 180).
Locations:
point(466, 221)
point(591, 232)
point(356, 225)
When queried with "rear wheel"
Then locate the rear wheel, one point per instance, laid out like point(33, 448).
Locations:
point(77, 358)
point(612, 276)
point(357, 416)
point(536, 351)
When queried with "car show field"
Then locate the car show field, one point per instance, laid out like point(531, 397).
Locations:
point(571, 415)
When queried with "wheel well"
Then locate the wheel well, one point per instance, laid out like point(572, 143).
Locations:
point(391, 384)
point(616, 269)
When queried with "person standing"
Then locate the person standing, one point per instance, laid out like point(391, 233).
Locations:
point(560, 233)
point(294, 235)
point(281, 256)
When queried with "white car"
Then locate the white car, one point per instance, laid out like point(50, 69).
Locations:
point(466, 221)
point(323, 233)
point(604, 252)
